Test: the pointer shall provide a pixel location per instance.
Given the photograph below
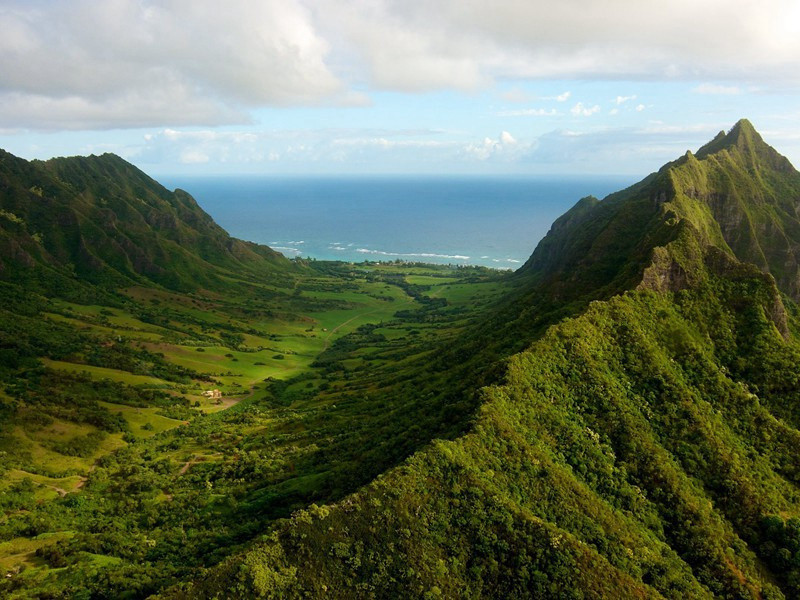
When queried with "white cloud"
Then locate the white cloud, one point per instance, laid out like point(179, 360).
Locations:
point(586, 148)
point(622, 99)
point(121, 109)
point(717, 90)
point(580, 110)
point(134, 63)
point(640, 107)
point(400, 47)
point(323, 149)
point(507, 139)
point(292, 150)
point(127, 63)
point(416, 44)
point(506, 148)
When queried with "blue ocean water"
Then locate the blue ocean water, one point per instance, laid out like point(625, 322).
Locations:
point(490, 221)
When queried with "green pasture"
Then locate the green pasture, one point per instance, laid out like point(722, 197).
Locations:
point(342, 322)
point(430, 279)
point(21, 551)
point(149, 333)
point(106, 373)
point(36, 444)
point(234, 366)
point(143, 422)
point(47, 488)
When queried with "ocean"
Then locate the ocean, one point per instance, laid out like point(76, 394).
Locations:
point(491, 221)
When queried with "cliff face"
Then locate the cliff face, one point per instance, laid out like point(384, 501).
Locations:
point(737, 194)
point(753, 196)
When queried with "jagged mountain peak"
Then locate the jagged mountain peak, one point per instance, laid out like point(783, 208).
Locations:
point(742, 134)
point(746, 146)
point(736, 193)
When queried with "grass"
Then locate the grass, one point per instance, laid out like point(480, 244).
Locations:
point(430, 279)
point(46, 461)
point(143, 422)
point(21, 551)
point(106, 373)
point(48, 487)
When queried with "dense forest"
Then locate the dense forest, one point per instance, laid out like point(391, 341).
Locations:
point(186, 415)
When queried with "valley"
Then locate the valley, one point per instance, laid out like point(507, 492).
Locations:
point(187, 415)
point(215, 390)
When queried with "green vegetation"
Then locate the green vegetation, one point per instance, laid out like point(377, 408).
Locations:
point(618, 419)
point(142, 479)
point(581, 474)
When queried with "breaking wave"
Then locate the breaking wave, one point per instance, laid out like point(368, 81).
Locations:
point(412, 254)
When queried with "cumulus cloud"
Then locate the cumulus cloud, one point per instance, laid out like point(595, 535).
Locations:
point(507, 139)
point(416, 44)
point(321, 150)
point(292, 149)
point(130, 63)
point(506, 148)
point(580, 110)
point(582, 149)
point(623, 99)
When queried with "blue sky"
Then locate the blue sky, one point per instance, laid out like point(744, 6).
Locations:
point(384, 86)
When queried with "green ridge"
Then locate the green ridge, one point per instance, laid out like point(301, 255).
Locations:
point(69, 222)
point(644, 448)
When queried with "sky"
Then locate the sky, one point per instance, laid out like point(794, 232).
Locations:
point(319, 87)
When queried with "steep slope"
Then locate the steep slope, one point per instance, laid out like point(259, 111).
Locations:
point(736, 199)
point(101, 220)
point(643, 449)
point(737, 192)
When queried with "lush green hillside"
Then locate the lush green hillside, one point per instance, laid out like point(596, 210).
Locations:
point(121, 304)
point(69, 222)
point(627, 455)
point(119, 477)
point(645, 448)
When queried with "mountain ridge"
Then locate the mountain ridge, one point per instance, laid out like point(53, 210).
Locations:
point(639, 447)
point(100, 219)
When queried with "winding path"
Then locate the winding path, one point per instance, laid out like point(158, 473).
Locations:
point(338, 327)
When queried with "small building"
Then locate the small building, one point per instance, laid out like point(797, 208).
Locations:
point(213, 394)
